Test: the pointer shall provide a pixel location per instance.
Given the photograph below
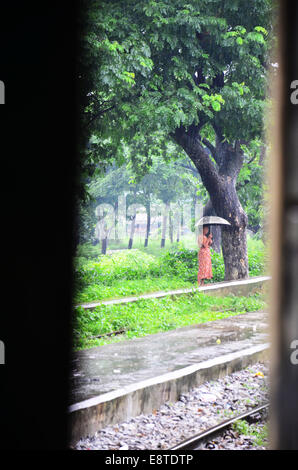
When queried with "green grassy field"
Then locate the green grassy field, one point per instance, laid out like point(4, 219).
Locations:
point(156, 315)
point(123, 272)
point(128, 287)
point(139, 271)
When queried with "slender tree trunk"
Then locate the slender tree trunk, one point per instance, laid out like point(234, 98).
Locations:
point(132, 231)
point(104, 245)
point(171, 227)
point(164, 225)
point(148, 226)
point(116, 223)
point(178, 233)
point(104, 238)
point(103, 231)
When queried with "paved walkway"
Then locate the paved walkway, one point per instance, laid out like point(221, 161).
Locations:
point(103, 369)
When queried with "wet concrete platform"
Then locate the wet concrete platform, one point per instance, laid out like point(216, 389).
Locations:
point(104, 369)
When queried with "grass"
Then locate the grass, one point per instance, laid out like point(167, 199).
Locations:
point(143, 270)
point(259, 432)
point(89, 251)
point(156, 315)
point(127, 287)
point(137, 271)
point(153, 247)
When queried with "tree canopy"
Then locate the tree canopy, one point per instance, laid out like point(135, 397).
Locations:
point(152, 67)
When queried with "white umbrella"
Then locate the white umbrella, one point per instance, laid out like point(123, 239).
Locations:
point(212, 220)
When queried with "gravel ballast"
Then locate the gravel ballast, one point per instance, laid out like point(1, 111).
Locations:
point(201, 408)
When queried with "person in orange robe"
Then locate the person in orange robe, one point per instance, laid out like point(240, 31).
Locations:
point(204, 256)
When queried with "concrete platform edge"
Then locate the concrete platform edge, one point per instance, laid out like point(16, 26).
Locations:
point(88, 416)
point(243, 287)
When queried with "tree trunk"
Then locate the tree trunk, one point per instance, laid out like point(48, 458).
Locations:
point(234, 252)
point(148, 226)
point(216, 232)
point(164, 225)
point(132, 231)
point(117, 241)
point(234, 237)
point(214, 229)
point(104, 245)
point(178, 233)
point(234, 247)
point(171, 227)
point(103, 231)
point(220, 181)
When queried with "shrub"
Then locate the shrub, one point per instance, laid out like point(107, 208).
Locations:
point(178, 262)
point(257, 257)
point(128, 264)
point(87, 251)
point(183, 262)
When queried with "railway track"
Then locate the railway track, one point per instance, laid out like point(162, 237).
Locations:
point(197, 441)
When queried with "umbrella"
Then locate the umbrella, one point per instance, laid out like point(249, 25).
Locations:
point(212, 220)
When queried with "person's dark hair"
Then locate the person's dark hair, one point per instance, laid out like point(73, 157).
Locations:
point(208, 226)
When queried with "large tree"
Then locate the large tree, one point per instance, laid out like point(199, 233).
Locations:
point(194, 72)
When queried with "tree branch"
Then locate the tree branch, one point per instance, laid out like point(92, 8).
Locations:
point(97, 115)
point(252, 159)
point(212, 149)
point(192, 145)
point(188, 167)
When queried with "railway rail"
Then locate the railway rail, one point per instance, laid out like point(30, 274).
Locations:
point(197, 441)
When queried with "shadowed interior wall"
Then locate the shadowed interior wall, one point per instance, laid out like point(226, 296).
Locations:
point(284, 233)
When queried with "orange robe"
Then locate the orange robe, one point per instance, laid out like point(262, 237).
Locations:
point(204, 258)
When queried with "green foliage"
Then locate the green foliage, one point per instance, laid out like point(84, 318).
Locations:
point(128, 264)
point(258, 432)
point(150, 68)
point(251, 186)
point(170, 179)
point(86, 251)
point(183, 262)
point(129, 287)
point(141, 60)
point(156, 315)
point(97, 276)
point(257, 257)
point(218, 267)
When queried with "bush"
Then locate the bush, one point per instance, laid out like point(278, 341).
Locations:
point(178, 262)
point(87, 251)
point(183, 262)
point(257, 257)
point(218, 266)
